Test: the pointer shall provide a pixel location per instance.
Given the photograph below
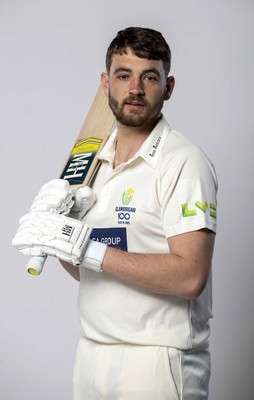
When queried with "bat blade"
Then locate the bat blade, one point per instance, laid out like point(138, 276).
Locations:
point(91, 139)
point(82, 162)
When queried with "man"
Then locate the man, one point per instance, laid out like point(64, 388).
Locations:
point(145, 267)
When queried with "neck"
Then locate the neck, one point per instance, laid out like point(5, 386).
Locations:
point(129, 141)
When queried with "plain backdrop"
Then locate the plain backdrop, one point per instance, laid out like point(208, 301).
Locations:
point(51, 56)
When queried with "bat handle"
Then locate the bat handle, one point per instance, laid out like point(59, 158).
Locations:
point(35, 265)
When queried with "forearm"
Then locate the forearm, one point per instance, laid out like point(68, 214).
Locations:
point(179, 274)
point(159, 273)
point(71, 269)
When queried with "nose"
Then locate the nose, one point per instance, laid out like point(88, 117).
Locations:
point(136, 88)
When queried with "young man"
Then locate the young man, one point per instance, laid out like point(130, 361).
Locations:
point(145, 268)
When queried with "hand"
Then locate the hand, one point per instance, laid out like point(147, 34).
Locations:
point(45, 233)
point(84, 199)
point(57, 196)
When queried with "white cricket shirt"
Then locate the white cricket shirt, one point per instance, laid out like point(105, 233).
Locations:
point(168, 188)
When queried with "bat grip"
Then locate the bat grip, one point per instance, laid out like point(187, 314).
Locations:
point(35, 265)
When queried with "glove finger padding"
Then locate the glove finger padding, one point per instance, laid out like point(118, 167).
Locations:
point(55, 196)
point(84, 200)
point(44, 233)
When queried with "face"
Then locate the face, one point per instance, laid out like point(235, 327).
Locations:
point(137, 89)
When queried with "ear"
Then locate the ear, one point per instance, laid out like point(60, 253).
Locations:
point(105, 83)
point(169, 87)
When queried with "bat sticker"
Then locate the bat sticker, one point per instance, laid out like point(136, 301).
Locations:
point(80, 160)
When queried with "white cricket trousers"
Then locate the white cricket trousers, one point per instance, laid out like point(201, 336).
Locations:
point(133, 372)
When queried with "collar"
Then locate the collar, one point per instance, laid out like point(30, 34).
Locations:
point(150, 149)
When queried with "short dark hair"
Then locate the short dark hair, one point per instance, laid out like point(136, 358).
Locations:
point(144, 42)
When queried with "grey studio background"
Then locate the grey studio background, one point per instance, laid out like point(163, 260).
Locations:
point(51, 56)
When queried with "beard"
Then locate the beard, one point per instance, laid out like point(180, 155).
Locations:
point(135, 118)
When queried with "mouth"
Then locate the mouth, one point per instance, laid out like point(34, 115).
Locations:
point(134, 105)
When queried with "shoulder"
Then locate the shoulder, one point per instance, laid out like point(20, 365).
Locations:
point(183, 158)
point(178, 145)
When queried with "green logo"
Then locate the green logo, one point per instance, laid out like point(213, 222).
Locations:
point(127, 196)
point(205, 207)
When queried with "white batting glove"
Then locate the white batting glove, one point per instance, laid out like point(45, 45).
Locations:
point(57, 196)
point(84, 199)
point(44, 233)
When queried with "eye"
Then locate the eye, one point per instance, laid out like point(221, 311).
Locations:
point(151, 78)
point(123, 77)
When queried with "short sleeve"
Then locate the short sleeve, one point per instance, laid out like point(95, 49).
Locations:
point(188, 190)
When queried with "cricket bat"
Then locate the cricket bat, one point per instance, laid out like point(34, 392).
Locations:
point(82, 163)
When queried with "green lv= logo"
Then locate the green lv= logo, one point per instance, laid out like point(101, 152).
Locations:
point(201, 206)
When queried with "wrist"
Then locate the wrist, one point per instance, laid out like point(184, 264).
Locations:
point(94, 256)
